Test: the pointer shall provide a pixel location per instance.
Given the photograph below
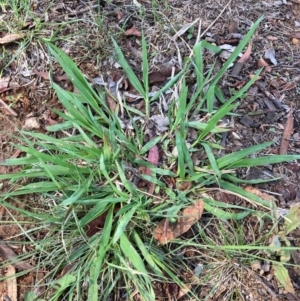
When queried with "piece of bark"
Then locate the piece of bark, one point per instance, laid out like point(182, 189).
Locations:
point(275, 101)
point(287, 133)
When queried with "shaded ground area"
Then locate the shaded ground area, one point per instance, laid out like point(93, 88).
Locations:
point(83, 29)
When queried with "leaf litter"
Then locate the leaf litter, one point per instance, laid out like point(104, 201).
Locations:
point(214, 27)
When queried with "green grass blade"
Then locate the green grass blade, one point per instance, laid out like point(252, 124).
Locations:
point(224, 215)
point(233, 158)
point(128, 70)
point(212, 159)
point(98, 259)
point(266, 160)
point(123, 222)
point(246, 194)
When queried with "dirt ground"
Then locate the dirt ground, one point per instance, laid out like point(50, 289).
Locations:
point(28, 100)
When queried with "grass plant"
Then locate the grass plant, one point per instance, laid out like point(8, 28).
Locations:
point(82, 170)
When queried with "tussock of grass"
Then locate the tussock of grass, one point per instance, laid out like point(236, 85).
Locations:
point(87, 173)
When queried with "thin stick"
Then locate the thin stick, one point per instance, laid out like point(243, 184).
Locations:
point(220, 14)
point(7, 107)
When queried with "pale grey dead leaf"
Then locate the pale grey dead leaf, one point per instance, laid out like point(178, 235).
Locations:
point(227, 47)
point(225, 54)
point(198, 269)
point(185, 28)
point(31, 123)
point(270, 55)
point(161, 122)
point(135, 2)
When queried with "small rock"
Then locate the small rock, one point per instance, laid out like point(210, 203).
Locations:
point(295, 41)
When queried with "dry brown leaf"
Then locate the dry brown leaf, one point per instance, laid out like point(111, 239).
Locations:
point(111, 103)
point(253, 75)
point(4, 82)
point(262, 63)
point(153, 158)
point(232, 28)
point(96, 224)
point(45, 75)
point(287, 133)
point(184, 186)
point(240, 63)
point(246, 55)
point(135, 52)
point(268, 69)
point(183, 291)
point(11, 283)
point(156, 77)
point(166, 231)
point(9, 255)
point(272, 38)
point(119, 15)
point(262, 195)
point(11, 38)
point(132, 32)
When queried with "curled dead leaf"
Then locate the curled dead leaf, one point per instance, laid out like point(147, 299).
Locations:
point(253, 75)
point(156, 77)
point(240, 63)
point(166, 231)
point(246, 55)
point(262, 63)
point(132, 32)
point(9, 38)
point(9, 255)
point(262, 195)
point(287, 133)
point(153, 158)
point(11, 283)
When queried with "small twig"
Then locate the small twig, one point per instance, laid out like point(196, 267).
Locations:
point(215, 20)
point(8, 108)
